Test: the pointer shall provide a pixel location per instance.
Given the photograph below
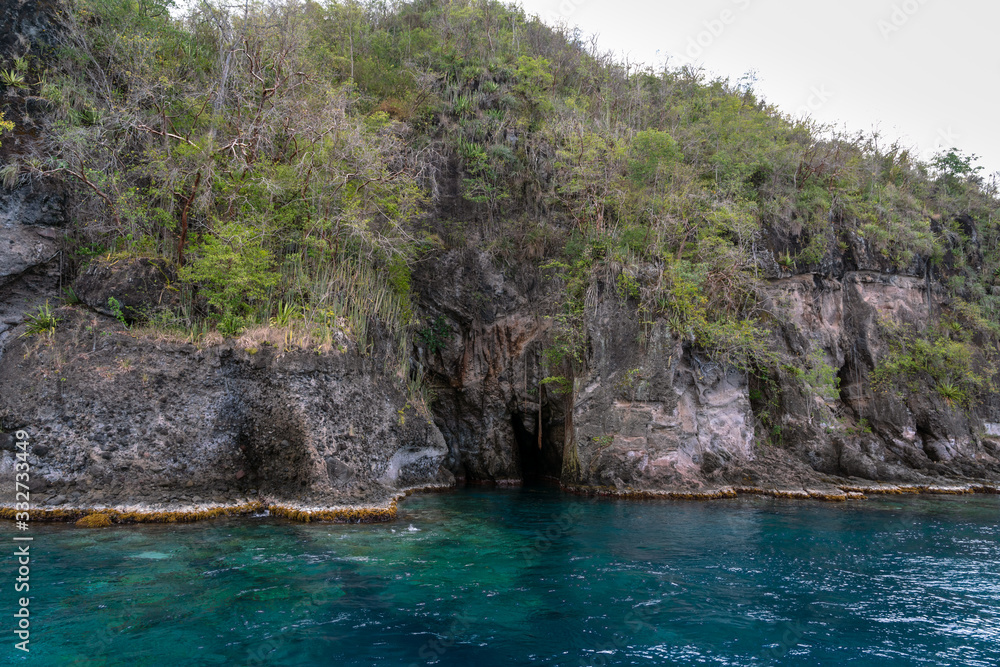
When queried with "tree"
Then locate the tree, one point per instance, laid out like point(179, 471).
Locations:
point(954, 163)
point(651, 153)
point(233, 268)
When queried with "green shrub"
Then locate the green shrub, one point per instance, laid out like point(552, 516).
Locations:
point(12, 79)
point(232, 268)
point(953, 368)
point(560, 384)
point(286, 313)
point(5, 125)
point(627, 287)
point(651, 153)
point(70, 297)
point(115, 306)
point(232, 325)
point(41, 323)
point(821, 378)
point(437, 335)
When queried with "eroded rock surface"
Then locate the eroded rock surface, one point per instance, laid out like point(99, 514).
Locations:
point(651, 413)
point(30, 252)
point(139, 287)
point(118, 421)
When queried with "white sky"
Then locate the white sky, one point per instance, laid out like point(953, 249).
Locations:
point(923, 71)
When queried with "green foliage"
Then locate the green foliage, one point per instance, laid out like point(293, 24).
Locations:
point(11, 78)
point(603, 440)
point(821, 378)
point(534, 80)
point(437, 335)
point(952, 393)
point(70, 297)
point(691, 314)
point(631, 384)
point(232, 325)
point(627, 286)
point(343, 140)
point(5, 125)
point(861, 429)
point(651, 154)
point(953, 369)
point(567, 341)
point(560, 384)
point(955, 164)
point(41, 323)
point(115, 306)
point(232, 268)
point(399, 276)
point(286, 313)
point(970, 321)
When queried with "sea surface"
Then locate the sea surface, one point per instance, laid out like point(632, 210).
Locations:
point(530, 577)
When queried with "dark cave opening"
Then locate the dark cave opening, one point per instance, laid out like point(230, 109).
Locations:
point(539, 459)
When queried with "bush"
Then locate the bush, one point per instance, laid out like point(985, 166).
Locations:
point(5, 125)
point(651, 153)
point(232, 269)
point(436, 336)
point(115, 306)
point(41, 323)
point(952, 368)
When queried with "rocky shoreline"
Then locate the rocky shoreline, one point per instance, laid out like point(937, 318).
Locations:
point(155, 513)
point(142, 427)
point(100, 517)
point(138, 409)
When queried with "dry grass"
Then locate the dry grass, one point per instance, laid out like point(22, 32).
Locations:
point(298, 335)
point(255, 338)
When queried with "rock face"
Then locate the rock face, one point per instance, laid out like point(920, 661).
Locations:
point(655, 414)
point(26, 22)
point(141, 287)
point(868, 434)
point(33, 214)
point(30, 253)
point(118, 421)
point(650, 413)
point(487, 376)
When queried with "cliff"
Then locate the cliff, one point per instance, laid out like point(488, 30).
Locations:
point(651, 413)
point(513, 263)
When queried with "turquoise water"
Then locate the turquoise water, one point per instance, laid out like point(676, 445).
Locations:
point(490, 578)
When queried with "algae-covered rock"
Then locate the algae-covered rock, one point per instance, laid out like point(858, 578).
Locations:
point(96, 520)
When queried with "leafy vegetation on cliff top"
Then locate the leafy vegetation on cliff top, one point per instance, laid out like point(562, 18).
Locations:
point(294, 159)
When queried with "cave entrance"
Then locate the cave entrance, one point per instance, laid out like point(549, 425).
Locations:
point(539, 459)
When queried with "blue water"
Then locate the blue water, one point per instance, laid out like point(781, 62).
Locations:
point(491, 578)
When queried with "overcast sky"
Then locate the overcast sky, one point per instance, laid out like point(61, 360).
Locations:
point(923, 71)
